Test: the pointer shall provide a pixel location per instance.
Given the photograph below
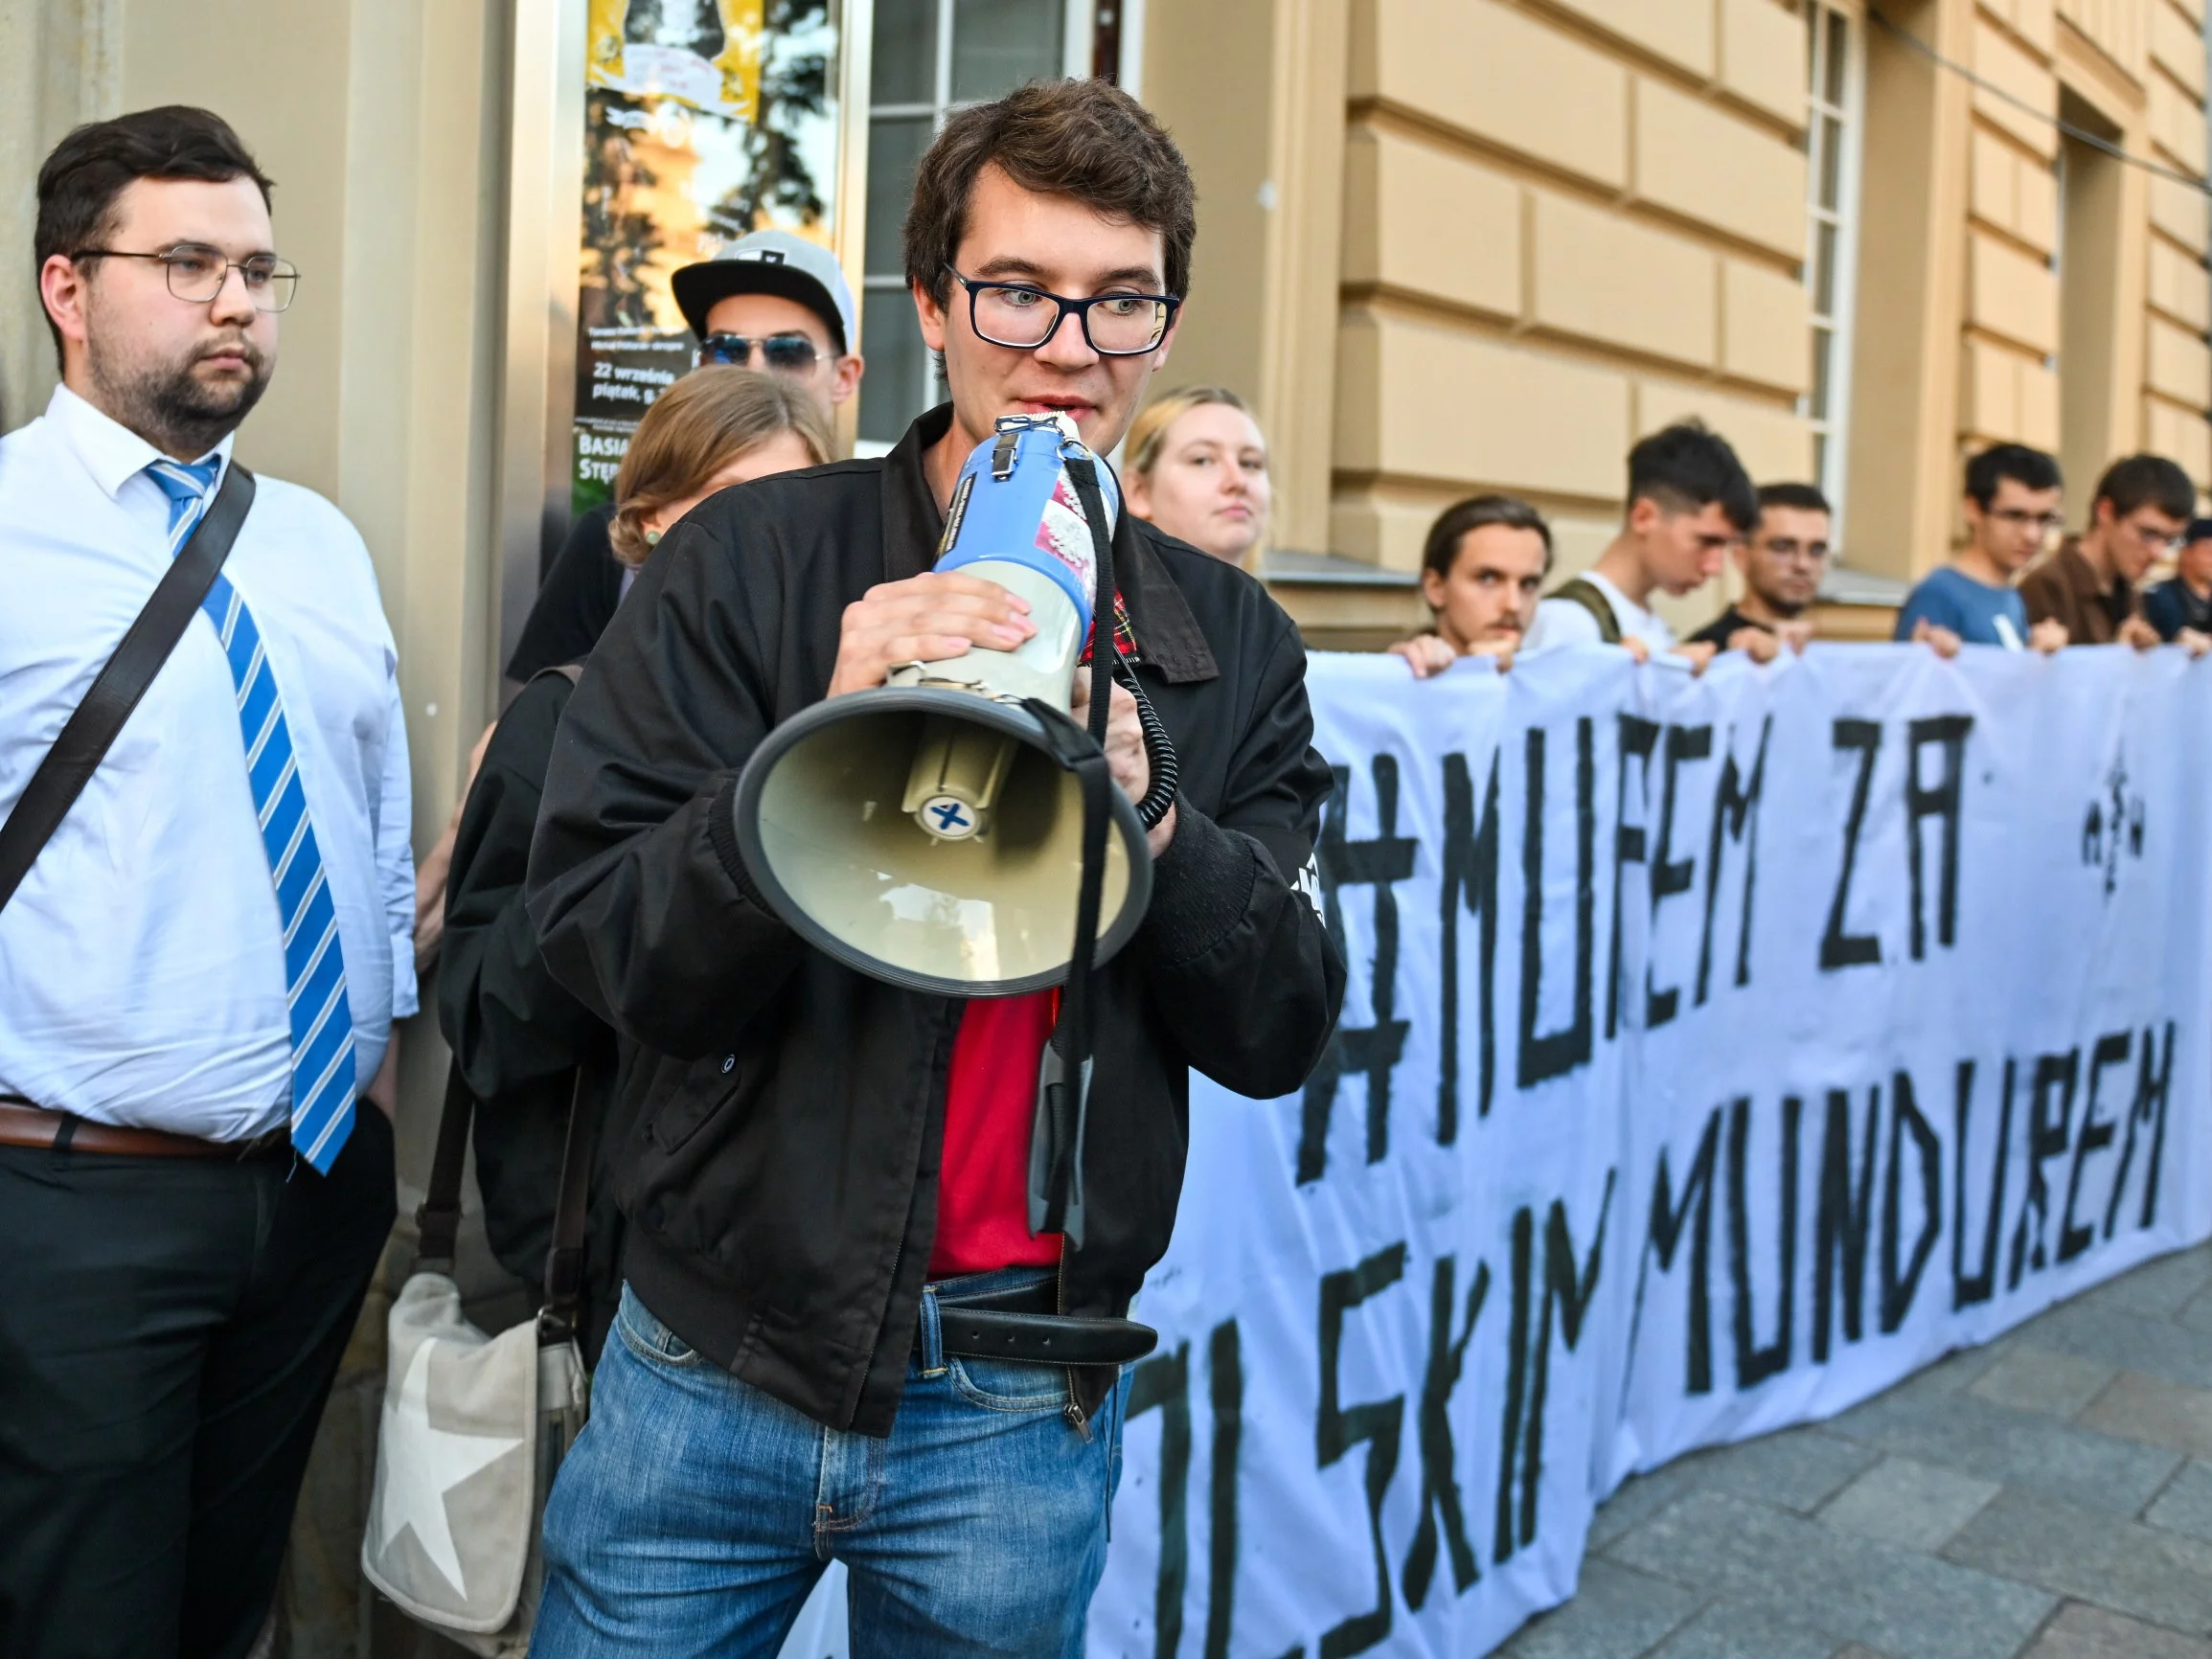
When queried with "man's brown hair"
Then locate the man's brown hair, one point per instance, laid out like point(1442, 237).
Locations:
point(95, 163)
point(1083, 138)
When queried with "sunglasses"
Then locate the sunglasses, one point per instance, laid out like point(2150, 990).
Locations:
point(780, 353)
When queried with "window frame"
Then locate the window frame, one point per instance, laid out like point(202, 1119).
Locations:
point(1831, 430)
point(1078, 24)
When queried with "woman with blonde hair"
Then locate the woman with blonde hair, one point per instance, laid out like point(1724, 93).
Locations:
point(1197, 467)
point(519, 1040)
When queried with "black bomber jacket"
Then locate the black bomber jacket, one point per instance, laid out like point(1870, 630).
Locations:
point(782, 1118)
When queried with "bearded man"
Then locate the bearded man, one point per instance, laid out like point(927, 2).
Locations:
point(200, 966)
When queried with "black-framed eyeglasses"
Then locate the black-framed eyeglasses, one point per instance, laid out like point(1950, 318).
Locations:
point(1023, 317)
point(780, 353)
point(196, 274)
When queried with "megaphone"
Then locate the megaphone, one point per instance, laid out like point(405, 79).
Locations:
point(930, 834)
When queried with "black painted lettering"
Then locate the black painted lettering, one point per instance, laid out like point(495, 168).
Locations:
point(1470, 877)
point(1754, 1363)
point(2154, 1083)
point(1555, 1054)
point(1502, 1543)
point(1439, 1478)
point(1942, 799)
point(1639, 738)
point(1668, 1220)
point(1670, 875)
point(2112, 1050)
point(1899, 1286)
point(1735, 818)
point(1372, 1050)
point(1980, 1285)
point(1569, 1286)
point(1839, 949)
point(1162, 1384)
point(2047, 1139)
point(1226, 1370)
point(1842, 1220)
point(1377, 1424)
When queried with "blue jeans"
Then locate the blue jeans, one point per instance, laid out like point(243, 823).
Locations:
point(696, 1511)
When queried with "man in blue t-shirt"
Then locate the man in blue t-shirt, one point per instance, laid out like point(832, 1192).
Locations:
point(2013, 495)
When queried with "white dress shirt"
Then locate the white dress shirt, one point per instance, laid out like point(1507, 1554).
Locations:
point(141, 966)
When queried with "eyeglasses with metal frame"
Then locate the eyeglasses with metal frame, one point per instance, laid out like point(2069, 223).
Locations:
point(780, 353)
point(1114, 325)
point(196, 273)
point(2020, 519)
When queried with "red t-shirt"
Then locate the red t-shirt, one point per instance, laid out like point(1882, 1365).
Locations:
point(990, 1105)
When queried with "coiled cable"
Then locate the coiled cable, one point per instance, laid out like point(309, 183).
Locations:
point(1159, 752)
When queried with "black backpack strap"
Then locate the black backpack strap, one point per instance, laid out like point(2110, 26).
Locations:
point(91, 729)
point(1586, 595)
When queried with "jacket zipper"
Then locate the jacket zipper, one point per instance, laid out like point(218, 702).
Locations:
point(1073, 1411)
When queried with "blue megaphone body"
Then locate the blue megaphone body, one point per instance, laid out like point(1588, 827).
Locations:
point(928, 834)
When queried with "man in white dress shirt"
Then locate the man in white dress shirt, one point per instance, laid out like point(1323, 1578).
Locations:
point(200, 973)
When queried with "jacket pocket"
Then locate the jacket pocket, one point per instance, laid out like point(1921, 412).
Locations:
point(705, 1088)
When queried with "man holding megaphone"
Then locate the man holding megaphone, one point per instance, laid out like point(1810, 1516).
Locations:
point(829, 836)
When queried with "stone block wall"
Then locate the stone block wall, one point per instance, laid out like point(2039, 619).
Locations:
point(1564, 225)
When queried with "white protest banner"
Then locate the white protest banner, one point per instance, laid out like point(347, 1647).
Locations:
point(1717, 1052)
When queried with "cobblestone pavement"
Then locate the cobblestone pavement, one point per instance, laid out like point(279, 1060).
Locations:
point(2047, 1496)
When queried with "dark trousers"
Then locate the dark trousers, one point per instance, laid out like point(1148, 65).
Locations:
point(170, 1328)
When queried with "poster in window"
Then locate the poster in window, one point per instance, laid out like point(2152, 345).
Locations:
point(704, 120)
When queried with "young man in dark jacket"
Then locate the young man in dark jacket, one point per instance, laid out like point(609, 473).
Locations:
point(824, 1175)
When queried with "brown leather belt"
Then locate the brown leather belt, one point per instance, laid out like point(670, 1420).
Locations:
point(42, 1130)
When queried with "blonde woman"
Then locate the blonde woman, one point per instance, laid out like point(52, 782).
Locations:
point(517, 1037)
point(1197, 467)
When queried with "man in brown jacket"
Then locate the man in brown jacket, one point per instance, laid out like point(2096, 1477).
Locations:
point(2141, 506)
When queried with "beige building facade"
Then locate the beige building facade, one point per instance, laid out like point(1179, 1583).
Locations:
point(1858, 245)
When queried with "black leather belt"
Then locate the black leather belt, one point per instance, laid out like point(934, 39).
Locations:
point(1022, 1323)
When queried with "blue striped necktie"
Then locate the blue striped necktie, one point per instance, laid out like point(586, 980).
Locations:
point(322, 1020)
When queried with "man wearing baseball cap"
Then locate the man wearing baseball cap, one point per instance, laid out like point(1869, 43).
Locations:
point(777, 301)
point(771, 302)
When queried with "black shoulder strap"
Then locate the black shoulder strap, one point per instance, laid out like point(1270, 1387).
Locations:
point(116, 690)
point(1586, 595)
point(565, 1256)
point(1056, 1195)
point(438, 1217)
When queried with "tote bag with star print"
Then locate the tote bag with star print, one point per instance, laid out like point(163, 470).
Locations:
point(474, 1429)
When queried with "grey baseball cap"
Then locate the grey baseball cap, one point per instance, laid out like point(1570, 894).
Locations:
point(770, 262)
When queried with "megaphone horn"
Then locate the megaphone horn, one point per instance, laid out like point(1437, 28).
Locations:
point(930, 834)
